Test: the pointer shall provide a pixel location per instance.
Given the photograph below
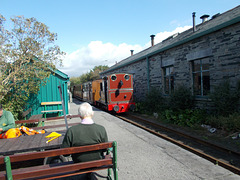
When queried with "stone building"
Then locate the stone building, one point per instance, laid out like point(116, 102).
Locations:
point(199, 58)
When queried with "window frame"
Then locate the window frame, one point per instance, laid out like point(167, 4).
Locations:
point(201, 71)
point(169, 76)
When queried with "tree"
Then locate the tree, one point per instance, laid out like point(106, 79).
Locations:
point(74, 81)
point(94, 73)
point(90, 76)
point(28, 54)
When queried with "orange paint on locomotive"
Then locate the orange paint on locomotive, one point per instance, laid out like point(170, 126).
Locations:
point(96, 90)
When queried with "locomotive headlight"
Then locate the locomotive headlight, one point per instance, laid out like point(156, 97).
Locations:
point(127, 77)
point(116, 108)
point(113, 77)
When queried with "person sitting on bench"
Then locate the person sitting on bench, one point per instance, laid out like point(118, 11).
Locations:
point(7, 122)
point(86, 133)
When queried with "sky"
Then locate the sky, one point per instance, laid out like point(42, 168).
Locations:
point(102, 32)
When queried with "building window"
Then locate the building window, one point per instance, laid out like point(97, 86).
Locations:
point(201, 77)
point(168, 79)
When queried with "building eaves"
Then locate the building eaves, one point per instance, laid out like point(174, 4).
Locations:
point(61, 74)
point(221, 21)
point(56, 71)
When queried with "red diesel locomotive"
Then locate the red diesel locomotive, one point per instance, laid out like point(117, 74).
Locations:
point(113, 93)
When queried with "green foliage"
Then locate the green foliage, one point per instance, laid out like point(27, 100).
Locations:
point(139, 107)
point(228, 123)
point(74, 81)
point(179, 110)
point(27, 53)
point(90, 76)
point(154, 102)
point(181, 99)
point(225, 100)
point(187, 117)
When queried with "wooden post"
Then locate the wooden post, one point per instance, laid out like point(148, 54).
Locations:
point(8, 167)
point(63, 106)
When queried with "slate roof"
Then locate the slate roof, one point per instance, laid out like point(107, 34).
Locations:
point(214, 24)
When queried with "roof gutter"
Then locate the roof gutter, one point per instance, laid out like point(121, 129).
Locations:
point(195, 36)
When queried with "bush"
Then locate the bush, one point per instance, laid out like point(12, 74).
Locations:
point(181, 99)
point(139, 107)
point(154, 102)
point(187, 117)
point(229, 123)
point(225, 100)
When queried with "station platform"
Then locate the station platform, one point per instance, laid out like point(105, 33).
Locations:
point(141, 155)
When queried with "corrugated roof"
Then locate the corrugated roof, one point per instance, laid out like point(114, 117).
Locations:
point(221, 21)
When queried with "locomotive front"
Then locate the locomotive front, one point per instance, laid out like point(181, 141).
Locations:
point(120, 92)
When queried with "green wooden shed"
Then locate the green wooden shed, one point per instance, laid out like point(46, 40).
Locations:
point(50, 93)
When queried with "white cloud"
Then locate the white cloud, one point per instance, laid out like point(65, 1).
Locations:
point(95, 54)
point(99, 53)
point(159, 37)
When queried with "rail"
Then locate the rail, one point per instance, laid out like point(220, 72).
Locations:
point(156, 132)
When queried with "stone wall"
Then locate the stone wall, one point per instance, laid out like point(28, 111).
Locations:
point(221, 49)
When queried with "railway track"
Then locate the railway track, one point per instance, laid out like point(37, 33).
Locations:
point(216, 154)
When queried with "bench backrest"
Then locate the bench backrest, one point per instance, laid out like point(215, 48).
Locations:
point(51, 103)
point(51, 170)
point(45, 119)
point(48, 119)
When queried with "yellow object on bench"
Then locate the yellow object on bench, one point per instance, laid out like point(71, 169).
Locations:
point(45, 104)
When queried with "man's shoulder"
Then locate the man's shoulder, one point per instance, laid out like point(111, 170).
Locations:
point(78, 126)
point(99, 126)
point(75, 126)
point(7, 112)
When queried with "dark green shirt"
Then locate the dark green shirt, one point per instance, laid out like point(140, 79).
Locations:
point(85, 134)
point(7, 121)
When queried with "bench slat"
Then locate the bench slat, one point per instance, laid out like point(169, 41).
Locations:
point(57, 110)
point(45, 119)
point(45, 104)
point(54, 126)
point(51, 103)
point(37, 116)
point(77, 173)
point(43, 171)
point(57, 152)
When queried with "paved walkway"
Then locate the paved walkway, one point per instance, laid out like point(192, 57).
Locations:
point(143, 156)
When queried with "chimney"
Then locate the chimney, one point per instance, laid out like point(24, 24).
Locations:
point(194, 25)
point(152, 39)
point(131, 52)
point(204, 18)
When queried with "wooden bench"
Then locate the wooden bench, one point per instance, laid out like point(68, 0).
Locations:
point(60, 170)
point(45, 104)
point(25, 113)
point(37, 119)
